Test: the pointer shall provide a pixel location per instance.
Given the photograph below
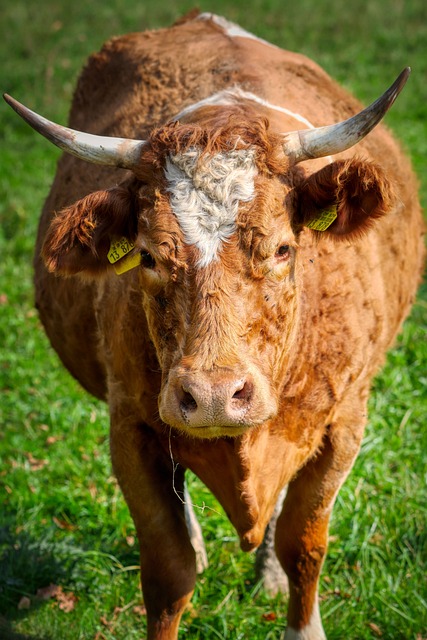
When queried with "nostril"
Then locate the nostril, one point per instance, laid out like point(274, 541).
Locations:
point(244, 393)
point(187, 402)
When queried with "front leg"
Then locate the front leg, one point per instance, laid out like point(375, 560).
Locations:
point(168, 564)
point(195, 533)
point(302, 527)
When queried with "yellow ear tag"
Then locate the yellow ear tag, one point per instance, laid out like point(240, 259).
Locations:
point(324, 220)
point(118, 255)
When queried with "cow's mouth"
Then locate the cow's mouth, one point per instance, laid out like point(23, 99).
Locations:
point(211, 433)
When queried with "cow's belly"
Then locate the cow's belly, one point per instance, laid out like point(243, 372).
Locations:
point(67, 313)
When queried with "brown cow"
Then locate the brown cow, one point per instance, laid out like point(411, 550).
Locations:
point(235, 293)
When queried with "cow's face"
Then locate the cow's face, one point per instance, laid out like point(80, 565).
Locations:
point(219, 282)
point(217, 233)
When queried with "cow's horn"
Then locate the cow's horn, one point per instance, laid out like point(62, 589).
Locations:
point(115, 152)
point(326, 141)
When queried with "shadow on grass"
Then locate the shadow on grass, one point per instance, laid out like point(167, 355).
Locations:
point(26, 565)
point(7, 633)
point(29, 563)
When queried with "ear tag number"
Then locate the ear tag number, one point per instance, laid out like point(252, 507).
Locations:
point(324, 220)
point(119, 248)
point(118, 255)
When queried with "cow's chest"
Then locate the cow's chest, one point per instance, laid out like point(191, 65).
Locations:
point(247, 474)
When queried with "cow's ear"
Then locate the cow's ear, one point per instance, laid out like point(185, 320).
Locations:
point(80, 236)
point(343, 199)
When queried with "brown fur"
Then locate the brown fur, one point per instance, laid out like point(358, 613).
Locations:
point(79, 236)
point(215, 129)
point(360, 191)
point(306, 330)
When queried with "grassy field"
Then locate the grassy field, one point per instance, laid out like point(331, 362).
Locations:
point(63, 521)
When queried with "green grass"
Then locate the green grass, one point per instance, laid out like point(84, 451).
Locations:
point(62, 519)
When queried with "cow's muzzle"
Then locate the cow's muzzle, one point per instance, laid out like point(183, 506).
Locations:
point(215, 403)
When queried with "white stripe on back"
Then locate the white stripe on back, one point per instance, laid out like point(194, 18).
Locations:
point(231, 28)
point(232, 96)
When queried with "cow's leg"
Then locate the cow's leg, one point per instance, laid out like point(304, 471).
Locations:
point(302, 527)
point(267, 565)
point(195, 531)
point(150, 485)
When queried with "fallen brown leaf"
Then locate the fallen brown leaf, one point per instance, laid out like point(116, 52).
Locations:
point(139, 610)
point(93, 490)
point(24, 603)
point(108, 624)
point(375, 628)
point(63, 524)
point(45, 593)
point(269, 617)
point(35, 463)
point(66, 600)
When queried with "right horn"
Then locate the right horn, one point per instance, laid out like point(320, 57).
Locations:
point(114, 152)
point(307, 144)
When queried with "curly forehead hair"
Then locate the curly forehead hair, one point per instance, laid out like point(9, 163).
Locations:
point(223, 130)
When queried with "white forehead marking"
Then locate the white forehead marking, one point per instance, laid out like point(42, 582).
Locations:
point(205, 195)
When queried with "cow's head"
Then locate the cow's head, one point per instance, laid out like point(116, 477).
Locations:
point(212, 217)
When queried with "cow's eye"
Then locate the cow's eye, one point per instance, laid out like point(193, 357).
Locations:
point(162, 302)
point(283, 252)
point(147, 260)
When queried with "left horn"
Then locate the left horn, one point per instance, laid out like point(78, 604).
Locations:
point(326, 141)
point(114, 152)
